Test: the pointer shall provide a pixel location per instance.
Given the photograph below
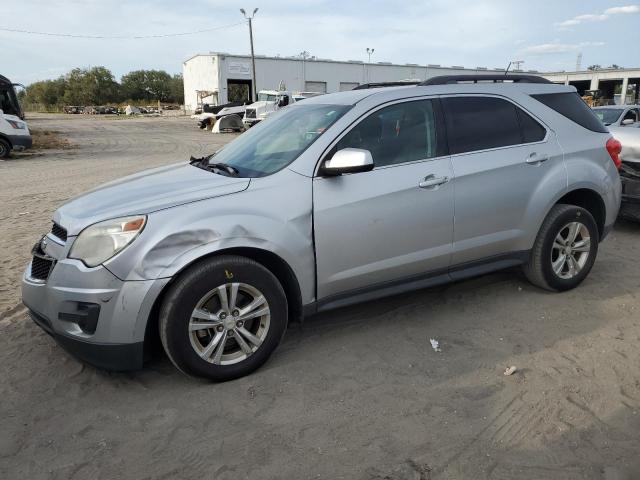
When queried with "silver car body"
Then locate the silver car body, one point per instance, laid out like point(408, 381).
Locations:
point(340, 239)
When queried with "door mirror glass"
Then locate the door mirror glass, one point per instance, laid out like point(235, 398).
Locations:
point(348, 160)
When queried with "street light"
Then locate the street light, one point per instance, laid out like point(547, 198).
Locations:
point(370, 52)
point(304, 55)
point(253, 58)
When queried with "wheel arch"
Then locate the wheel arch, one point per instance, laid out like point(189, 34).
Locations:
point(273, 262)
point(591, 201)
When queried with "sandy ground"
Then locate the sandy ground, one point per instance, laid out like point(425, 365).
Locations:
point(357, 393)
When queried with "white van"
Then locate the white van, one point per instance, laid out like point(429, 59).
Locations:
point(14, 132)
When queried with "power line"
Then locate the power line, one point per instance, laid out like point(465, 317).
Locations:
point(116, 37)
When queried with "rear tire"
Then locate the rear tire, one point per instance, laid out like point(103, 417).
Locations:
point(565, 249)
point(223, 318)
point(5, 148)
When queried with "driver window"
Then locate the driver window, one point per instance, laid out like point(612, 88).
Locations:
point(400, 133)
point(630, 115)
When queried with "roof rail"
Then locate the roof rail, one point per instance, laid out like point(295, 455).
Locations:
point(365, 86)
point(495, 78)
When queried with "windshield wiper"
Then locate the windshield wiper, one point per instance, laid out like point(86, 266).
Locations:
point(223, 166)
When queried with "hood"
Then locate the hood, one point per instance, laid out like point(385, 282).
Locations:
point(145, 192)
point(262, 105)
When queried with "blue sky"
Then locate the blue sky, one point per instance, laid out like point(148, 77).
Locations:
point(546, 34)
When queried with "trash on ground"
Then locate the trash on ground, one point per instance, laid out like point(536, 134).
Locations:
point(510, 371)
point(435, 345)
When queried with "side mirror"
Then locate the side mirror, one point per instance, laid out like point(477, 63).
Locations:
point(284, 101)
point(628, 121)
point(348, 160)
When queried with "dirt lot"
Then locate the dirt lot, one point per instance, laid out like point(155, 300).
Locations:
point(357, 393)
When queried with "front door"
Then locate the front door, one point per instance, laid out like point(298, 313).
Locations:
point(396, 221)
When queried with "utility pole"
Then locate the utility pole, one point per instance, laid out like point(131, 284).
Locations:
point(253, 57)
point(517, 64)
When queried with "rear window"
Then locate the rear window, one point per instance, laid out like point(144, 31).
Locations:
point(571, 106)
point(481, 123)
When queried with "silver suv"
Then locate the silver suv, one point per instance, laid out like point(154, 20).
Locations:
point(338, 199)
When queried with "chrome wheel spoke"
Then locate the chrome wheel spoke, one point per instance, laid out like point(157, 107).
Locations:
point(583, 245)
point(215, 342)
point(254, 314)
point(219, 349)
point(233, 297)
point(560, 240)
point(249, 336)
point(222, 295)
point(204, 315)
point(246, 348)
point(258, 301)
point(574, 228)
point(195, 326)
point(559, 264)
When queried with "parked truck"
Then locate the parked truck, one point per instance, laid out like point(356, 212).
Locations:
point(14, 132)
point(270, 101)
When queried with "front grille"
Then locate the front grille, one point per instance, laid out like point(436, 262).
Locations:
point(58, 231)
point(41, 263)
point(250, 113)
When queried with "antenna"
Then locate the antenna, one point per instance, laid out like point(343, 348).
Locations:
point(579, 62)
point(507, 70)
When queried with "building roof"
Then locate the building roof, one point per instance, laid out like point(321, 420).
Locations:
point(346, 62)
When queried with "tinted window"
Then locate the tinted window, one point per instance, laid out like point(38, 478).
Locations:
point(532, 131)
point(478, 123)
point(573, 107)
point(396, 134)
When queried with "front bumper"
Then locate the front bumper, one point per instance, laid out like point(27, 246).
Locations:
point(90, 312)
point(108, 356)
point(20, 142)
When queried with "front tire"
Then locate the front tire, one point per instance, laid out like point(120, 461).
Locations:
point(565, 249)
point(5, 148)
point(223, 318)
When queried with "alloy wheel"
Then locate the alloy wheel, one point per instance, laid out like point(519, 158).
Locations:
point(229, 323)
point(571, 249)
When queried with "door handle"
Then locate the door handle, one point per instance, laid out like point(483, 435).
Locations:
point(535, 159)
point(431, 181)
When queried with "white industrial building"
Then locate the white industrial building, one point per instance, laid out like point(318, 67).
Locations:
point(218, 78)
point(621, 86)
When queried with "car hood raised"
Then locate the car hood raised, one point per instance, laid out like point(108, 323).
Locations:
point(145, 192)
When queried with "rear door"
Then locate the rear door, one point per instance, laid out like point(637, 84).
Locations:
point(396, 221)
point(500, 155)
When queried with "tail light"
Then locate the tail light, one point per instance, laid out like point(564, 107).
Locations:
point(614, 147)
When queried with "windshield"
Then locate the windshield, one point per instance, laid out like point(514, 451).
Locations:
point(277, 141)
point(608, 115)
point(9, 103)
point(266, 97)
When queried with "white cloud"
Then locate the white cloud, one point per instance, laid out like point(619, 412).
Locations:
point(555, 48)
point(601, 17)
point(626, 9)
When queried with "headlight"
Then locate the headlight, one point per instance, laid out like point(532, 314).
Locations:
point(99, 242)
point(17, 125)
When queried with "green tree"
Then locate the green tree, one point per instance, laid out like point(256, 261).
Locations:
point(95, 86)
